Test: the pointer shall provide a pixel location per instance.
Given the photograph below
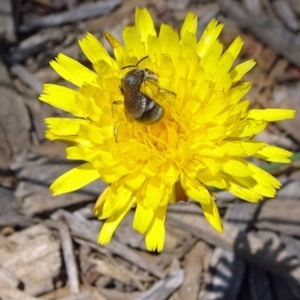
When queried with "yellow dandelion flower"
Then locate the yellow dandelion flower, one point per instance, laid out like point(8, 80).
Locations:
point(177, 126)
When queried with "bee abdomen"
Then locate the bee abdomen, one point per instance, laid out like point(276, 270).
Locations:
point(153, 112)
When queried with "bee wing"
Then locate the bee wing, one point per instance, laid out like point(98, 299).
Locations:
point(136, 105)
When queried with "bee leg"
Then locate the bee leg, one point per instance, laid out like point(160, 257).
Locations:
point(114, 114)
point(161, 90)
point(116, 131)
point(113, 107)
point(166, 91)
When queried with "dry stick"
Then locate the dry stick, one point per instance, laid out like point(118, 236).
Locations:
point(163, 288)
point(194, 270)
point(286, 13)
point(35, 259)
point(121, 13)
point(132, 256)
point(11, 293)
point(92, 294)
point(86, 11)
point(87, 230)
point(246, 245)
point(8, 279)
point(69, 258)
point(27, 77)
point(127, 254)
point(269, 30)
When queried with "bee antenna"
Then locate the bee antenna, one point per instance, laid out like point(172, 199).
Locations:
point(129, 66)
point(136, 65)
point(142, 60)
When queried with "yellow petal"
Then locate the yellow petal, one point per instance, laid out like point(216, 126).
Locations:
point(105, 159)
point(110, 174)
point(92, 133)
point(239, 110)
point(240, 70)
point(170, 172)
point(236, 167)
point(214, 133)
point(73, 71)
point(271, 115)
point(241, 148)
point(111, 224)
point(275, 154)
point(213, 165)
point(212, 215)
point(264, 178)
point(224, 65)
point(155, 235)
point(238, 92)
point(210, 59)
point(144, 23)
point(65, 130)
point(132, 42)
point(166, 66)
point(235, 48)
point(74, 179)
point(113, 42)
point(119, 50)
point(70, 101)
point(142, 218)
point(255, 187)
point(153, 191)
point(188, 47)
point(153, 48)
point(61, 97)
point(94, 50)
point(134, 180)
point(190, 24)
point(209, 36)
point(80, 153)
point(249, 128)
point(195, 189)
point(218, 180)
point(111, 201)
point(244, 192)
point(169, 41)
point(64, 126)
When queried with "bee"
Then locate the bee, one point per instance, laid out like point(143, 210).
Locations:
point(139, 106)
